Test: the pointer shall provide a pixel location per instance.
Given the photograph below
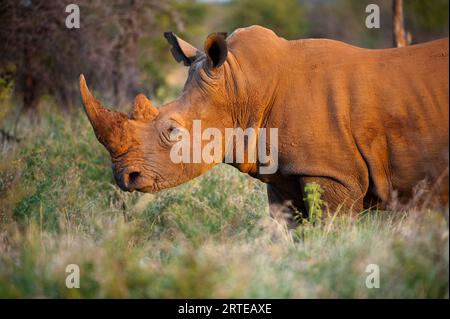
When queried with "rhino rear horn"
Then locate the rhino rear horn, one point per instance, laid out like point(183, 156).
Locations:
point(144, 109)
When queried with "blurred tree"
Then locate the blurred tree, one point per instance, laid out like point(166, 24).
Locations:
point(48, 57)
point(426, 19)
point(285, 17)
point(344, 20)
point(401, 37)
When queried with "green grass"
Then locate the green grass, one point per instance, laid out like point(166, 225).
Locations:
point(211, 237)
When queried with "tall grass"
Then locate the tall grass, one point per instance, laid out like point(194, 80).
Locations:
point(211, 237)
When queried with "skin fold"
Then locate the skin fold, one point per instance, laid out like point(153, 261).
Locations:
point(369, 126)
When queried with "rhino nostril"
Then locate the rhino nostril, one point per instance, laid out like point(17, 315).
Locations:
point(132, 177)
point(128, 180)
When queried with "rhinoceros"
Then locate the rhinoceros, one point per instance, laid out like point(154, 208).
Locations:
point(367, 125)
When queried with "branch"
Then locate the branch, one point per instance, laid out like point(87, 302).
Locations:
point(401, 37)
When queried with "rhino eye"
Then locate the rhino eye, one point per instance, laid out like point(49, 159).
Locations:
point(172, 130)
point(174, 133)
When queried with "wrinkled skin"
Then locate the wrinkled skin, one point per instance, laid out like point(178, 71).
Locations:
point(367, 125)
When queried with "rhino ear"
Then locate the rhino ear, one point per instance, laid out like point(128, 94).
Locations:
point(216, 48)
point(181, 50)
point(144, 109)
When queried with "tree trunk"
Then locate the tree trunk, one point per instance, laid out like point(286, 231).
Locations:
point(401, 37)
point(29, 84)
point(126, 52)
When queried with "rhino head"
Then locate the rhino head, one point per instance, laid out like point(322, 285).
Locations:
point(140, 144)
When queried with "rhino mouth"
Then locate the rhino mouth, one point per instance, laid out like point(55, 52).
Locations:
point(147, 189)
point(154, 187)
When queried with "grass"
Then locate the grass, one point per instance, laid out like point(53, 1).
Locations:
point(211, 237)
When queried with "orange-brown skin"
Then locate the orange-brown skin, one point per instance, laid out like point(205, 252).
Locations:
point(367, 125)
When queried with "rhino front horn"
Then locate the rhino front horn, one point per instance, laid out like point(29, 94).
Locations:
point(111, 128)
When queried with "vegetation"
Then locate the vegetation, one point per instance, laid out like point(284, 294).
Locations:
point(212, 237)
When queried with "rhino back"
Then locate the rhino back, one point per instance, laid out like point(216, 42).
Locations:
point(401, 127)
point(375, 120)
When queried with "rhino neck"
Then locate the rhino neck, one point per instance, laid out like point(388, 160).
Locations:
point(253, 96)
